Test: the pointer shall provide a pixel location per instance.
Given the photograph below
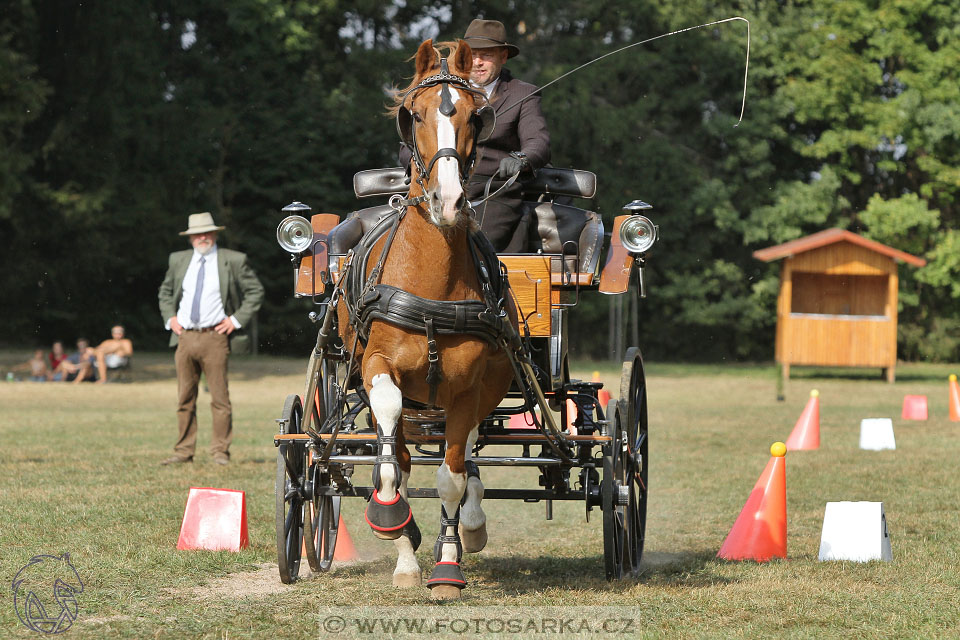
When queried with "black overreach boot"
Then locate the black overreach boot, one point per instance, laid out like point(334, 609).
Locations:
point(447, 580)
point(387, 519)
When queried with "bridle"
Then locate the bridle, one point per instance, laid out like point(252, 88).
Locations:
point(484, 120)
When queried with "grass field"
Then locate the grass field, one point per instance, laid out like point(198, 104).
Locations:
point(79, 473)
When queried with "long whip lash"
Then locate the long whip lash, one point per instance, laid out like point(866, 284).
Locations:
point(746, 67)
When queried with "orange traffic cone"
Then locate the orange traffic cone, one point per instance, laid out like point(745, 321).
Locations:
point(571, 417)
point(806, 433)
point(760, 531)
point(954, 398)
point(603, 396)
point(344, 551)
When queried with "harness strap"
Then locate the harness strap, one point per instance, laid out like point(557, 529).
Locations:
point(434, 374)
point(383, 439)
point(444, 538)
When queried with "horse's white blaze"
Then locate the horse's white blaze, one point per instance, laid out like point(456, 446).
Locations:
point(450, 487)
point(448, 171)
point(472, 516)
point(386, 401)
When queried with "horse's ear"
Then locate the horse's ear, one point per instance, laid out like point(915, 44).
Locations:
point(426, 58)
point(463, 58)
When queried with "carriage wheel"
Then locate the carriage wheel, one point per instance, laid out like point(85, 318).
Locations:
point(625, 471)
point(291, 479)
point(322, 513)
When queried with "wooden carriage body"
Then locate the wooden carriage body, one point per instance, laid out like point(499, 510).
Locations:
point(837, 304)
point(564, 256)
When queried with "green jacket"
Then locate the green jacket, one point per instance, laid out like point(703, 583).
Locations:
point(240, 291)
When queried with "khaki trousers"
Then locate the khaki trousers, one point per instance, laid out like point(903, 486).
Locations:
point(205, 352)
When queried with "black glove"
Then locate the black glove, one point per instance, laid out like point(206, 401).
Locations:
point(512, 164)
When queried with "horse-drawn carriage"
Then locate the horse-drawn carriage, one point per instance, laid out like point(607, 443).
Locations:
point(427, 338)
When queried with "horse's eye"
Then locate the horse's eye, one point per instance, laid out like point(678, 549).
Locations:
point(416, 116)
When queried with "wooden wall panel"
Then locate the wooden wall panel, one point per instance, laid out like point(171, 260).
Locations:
point(530, 282)
point(843, 258)
point(838, 341)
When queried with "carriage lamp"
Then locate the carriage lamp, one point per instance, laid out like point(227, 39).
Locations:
point(294, 233)
point(638, 233)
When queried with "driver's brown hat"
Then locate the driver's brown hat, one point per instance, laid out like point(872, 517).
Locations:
point(485, 34)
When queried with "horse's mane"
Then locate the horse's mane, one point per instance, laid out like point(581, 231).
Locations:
point(450, 47)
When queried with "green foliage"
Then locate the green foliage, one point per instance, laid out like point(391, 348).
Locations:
point(120, 119)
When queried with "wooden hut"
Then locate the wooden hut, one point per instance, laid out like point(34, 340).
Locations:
point(838, 301)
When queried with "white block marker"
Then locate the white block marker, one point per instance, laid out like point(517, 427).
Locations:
point(877, 434)
point(855, 531)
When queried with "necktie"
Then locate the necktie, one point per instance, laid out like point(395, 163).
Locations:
point(195, 309)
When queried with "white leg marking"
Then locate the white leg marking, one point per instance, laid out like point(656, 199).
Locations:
point(472, 516)
point(386, 402)
point(407, 564)
point(450, 487)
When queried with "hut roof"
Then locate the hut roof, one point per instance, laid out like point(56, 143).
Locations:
point(831, 236)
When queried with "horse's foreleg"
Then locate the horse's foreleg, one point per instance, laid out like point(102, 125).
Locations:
point(407, 573)
point(387, 512)
point(473, 521)
point(447, 580)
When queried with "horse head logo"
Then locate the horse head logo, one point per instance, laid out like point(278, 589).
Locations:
point(45, 593)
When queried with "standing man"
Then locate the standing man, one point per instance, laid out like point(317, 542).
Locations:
point(207, 297)
point(519, 142)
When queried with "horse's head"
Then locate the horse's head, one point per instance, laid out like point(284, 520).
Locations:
point(441, 118)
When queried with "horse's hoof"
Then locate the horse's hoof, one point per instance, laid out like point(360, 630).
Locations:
point(407, 579)
point(473, 541)
point(445, 592)
point(447, 581)
point(387, 519)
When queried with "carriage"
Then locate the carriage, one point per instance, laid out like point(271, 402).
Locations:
point(583, 450)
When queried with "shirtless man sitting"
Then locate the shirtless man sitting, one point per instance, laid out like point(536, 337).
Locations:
point(113, 353)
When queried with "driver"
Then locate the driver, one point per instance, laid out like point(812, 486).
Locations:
point(520, 141)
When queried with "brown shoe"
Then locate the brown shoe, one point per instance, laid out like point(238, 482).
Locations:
point(221, 458)
point(177, 460)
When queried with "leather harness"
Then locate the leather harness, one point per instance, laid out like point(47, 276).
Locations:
point(367, 299)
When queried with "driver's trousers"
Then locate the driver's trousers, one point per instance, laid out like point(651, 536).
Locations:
point(501, 219)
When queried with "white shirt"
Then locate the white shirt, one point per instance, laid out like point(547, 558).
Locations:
point(211, 306)
point(488, 88)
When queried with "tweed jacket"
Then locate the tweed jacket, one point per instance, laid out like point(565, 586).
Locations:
point(521, 128)
point(240, 291)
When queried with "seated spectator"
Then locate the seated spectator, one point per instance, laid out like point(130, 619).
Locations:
point(37, 367)
point(57, 355)
point(79, 366)
point(113, 353)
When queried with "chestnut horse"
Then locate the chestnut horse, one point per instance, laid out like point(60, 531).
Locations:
point(440, 116)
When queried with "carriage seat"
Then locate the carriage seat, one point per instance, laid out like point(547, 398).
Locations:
point(347, 234)
point(553, 228)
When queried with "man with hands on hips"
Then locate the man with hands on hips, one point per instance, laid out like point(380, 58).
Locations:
point(208, 297)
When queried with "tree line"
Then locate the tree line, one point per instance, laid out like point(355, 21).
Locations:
point(119, 119)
